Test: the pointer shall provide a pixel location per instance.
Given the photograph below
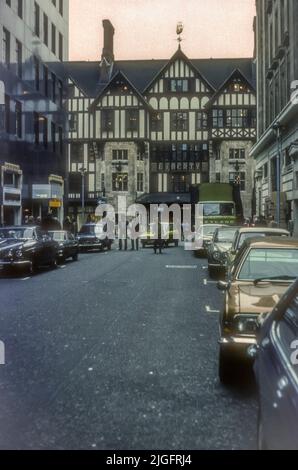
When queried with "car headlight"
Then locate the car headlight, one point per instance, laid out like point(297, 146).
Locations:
point(19, 254)
point(216, 255)
point(246, 324)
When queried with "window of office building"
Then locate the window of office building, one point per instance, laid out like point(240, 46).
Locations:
point(120, 154)
point(61, 7)
point(36, 127)
point(132, 120)
point(60, 93)
point(36, 73)
point(235, 154)
point(217, 177)
point(46, 80)
point(53, 136)
point(19, 56)
point(53, 79)
point(179, 121)
point(156, 122)
point(102, 181)
point(107, 120)
point(201, 120)
point(140, 182)
point(53, 38)
point(265, 171)
point(18, 111)
point(120, 182)
point(44, 124)
point(60, 47)
point(60, 137)
point(179, 85)
point(7, 114)
point(20, 8)
point(45, 29)
point(217, 118)
point(6, 47)
point(36, 19)
point(8, 2)
point(73, 122)
point(237, 117)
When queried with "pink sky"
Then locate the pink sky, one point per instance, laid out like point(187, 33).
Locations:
point(146, 29)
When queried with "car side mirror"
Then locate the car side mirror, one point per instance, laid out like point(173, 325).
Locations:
point(223, 286)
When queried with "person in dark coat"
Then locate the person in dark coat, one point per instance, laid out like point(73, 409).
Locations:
point(68, 225)
point(50, 223)
point(158, 242)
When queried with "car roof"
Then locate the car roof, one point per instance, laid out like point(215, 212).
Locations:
point(16, 227)
point(272, 242)
point(263, 230)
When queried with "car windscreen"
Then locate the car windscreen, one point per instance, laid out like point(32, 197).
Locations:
point(87, 230)
point(17, 233)
point(218, 209)
point(225, 236)
point(248, 235)
point(57, 236)
point(270, 263)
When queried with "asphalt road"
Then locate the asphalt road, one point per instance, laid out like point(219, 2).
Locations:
point(118, 351)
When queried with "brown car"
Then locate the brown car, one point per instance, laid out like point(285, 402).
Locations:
point(260, 274)
point(245, 233)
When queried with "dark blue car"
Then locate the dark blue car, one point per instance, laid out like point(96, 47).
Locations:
point(276, 371)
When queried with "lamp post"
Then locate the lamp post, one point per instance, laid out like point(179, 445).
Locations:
point(83, 172)
point(278, 132)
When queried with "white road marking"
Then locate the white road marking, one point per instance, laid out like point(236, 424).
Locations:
point(209, 310)
point(206, 282)
point(180, 267)
point(26, 278)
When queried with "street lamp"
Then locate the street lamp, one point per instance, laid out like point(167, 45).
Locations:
point(278, 132)
point(83, 171)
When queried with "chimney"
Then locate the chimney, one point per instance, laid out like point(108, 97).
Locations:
point(108, 42)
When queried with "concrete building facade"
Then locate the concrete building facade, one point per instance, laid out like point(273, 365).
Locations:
point(34, 39)
point(276, 150)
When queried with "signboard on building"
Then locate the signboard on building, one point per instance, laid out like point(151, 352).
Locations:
point(41, 191)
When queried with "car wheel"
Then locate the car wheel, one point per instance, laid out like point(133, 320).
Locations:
point(211, 272)
point(54, 263)
point(260, 433)
point(225, 368)
point(75, 257)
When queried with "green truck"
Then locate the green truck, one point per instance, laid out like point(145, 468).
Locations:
point(220, 203)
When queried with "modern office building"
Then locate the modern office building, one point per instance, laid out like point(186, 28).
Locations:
point(276, 150)
point(150, 129)
point(34, 38)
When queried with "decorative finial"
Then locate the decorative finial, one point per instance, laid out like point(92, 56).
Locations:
point(179, 31)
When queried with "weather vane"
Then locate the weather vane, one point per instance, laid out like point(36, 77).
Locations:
point(179, 31)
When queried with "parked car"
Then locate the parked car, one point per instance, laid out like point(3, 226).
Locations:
point(246, 233)
point(68, 245)
point(217, 251)
point(168, 233)
point(262, 271)
point(26, 248)
point(205, 236)
point(276, 372)
point(90, 238)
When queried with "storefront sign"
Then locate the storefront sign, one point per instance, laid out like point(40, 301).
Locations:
point(41, 191)
point(55, 204)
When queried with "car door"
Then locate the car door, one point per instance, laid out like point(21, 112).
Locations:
point(72, 244)
point(279, 380)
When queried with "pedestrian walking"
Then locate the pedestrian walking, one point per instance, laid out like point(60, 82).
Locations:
point(123, 243)
point(159, 241)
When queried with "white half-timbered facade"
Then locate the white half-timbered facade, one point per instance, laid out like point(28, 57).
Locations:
point(143, 127)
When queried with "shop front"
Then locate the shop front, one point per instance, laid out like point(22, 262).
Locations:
point(11, 195)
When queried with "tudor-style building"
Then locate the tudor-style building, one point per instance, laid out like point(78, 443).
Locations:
point(150, 129)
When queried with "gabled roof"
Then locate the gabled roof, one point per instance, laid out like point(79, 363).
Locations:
point(119, 73)
point(235, 74)
point(179, 55)
point(141, 73)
